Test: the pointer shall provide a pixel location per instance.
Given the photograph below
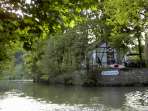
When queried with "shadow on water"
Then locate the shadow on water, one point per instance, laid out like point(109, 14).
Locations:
point(110, 97)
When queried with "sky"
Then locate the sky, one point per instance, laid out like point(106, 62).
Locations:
point(28, 1)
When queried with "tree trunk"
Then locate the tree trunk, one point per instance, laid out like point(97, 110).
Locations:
point(146, 49)
point(87, 64)
point(139, 47)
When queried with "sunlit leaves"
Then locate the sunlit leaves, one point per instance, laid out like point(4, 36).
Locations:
point(122, 12)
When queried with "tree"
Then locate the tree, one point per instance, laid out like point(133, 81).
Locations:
point(126, 17)
point(28, 23)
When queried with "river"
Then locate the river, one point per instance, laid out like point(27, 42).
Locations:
point(28, 96)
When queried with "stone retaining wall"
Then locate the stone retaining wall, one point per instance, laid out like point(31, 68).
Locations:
point(125, 78)
point(130, 77)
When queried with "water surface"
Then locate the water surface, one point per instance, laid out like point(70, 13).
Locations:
point(28, 96)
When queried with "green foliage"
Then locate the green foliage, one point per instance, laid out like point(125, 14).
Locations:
point(8, 39)
point(57, 34)
point(63, 53)
point(36, 20)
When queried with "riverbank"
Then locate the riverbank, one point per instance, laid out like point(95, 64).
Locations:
point(128, 77)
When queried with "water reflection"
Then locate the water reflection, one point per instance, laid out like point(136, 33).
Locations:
point(137, 100)
point(26, 96)
point(16, 101)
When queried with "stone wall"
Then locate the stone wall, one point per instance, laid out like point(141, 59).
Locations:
point(130, 77)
